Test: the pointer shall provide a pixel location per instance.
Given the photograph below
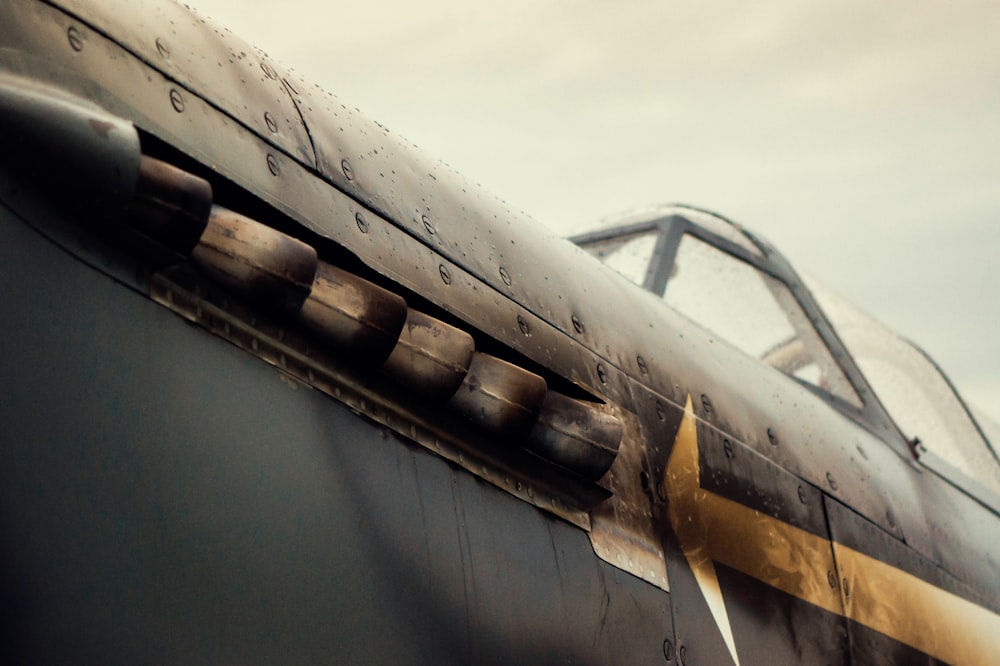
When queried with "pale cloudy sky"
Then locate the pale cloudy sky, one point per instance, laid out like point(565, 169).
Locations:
point(862, 138)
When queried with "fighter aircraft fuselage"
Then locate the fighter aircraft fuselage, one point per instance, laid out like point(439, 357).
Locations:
point(278, 387)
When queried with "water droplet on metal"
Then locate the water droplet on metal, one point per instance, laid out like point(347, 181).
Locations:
point(428, 226)
point(523, 325)
point(348, 171)
point(577, 325)
point(272, 124)
point(504, 276)
point(162, 48)
point(272, 164)
point(75, 38)
point(176, 100)
point(268, 71)
point(362, 223)
point(445, 274)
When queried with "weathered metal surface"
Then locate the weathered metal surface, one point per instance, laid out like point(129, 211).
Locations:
point(63, 152)
point(256, 260)
point(360, 318)
point(622, 529)
point(430, 356)
point(732, 470)
point(201, 506)
point(170, 205)
point(419, 225)
point(499, 395)
point(890, 590)
point(719, 550)
point(207, 60)
point(576, 435)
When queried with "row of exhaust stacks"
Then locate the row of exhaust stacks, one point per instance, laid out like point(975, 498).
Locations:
point(370, 324)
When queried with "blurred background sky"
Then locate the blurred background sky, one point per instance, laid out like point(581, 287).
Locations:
point(861, 138)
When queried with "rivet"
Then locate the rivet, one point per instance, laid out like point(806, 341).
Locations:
point(706, 403)
point(829, 479)
point(891, 518)
point(602, 374)
point(727, 448)
point(428, 226)
point(661, 412)
point(644, 480)
point(504, 276)
point(661, 492)
point(577, 325)
point(362, 223)
point(682, 653)
point(846, 588)
point(445, 274)
point(162, 48)
point(668, 650)
point(831, 579)
point(802, 494)
point(271, 123)
point(641, 362)
point(272, 164)
point(523, 325)
point(177, 100)
point(268, 71)
point(772, 437)
point(519, 486)
point(75, 38)
point(348, 171)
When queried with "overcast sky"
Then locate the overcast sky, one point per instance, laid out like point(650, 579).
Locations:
point(861, 138)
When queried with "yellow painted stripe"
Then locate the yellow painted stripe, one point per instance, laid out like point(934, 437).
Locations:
point(911, 610)
point(712, 528)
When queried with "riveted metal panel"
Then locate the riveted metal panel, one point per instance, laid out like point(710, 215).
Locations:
point(185, 484)
point(953, 531)
point(207, 60)
point(471, 256)
point(731, 470)
point(901, 603)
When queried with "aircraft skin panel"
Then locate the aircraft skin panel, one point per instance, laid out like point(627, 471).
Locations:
point(602, 357)
point(193, 471)
point(167, 496)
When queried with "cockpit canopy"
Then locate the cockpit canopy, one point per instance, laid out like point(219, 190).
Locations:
point(739, 289)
